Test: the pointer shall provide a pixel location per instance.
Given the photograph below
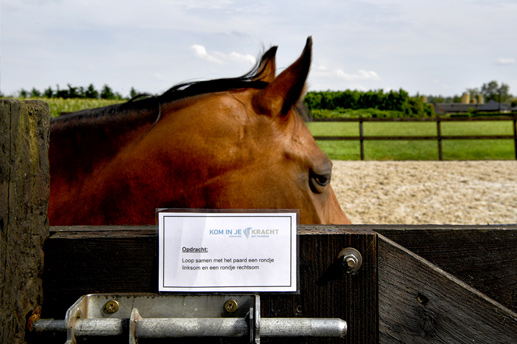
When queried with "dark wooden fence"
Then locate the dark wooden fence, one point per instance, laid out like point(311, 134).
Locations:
point(417, 284)
point(438, 137)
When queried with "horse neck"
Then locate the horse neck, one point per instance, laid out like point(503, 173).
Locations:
point(78, 147)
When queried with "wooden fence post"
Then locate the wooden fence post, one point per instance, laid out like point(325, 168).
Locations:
point(24, 192)
point(361, 136)
point(515, 134)
point(439, 136)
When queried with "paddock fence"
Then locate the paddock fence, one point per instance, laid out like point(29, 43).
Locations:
point(439, 137)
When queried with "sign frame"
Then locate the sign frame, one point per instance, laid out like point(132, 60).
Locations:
point(227, 250)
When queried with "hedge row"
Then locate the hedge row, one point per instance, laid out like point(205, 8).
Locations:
point(378, 103)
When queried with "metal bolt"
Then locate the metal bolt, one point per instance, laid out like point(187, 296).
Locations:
point(351, 262)
point(111, 306)
point(352, 259)
point(231, 305)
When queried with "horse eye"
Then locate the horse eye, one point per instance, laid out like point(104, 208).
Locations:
point(318, 182)
point(323, 180)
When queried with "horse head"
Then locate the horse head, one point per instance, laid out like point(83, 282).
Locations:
point(238, 147)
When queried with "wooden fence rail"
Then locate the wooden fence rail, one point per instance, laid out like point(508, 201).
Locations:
point(427, 284)
point(438, 137)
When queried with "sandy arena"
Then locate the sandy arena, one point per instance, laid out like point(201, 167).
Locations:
point(422, 192)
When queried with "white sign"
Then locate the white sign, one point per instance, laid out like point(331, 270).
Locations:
point(222, 252)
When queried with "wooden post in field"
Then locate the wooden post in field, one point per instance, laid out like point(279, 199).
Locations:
point(515, 135)
point(24, 192)
point(439, 138)
point(361, 136)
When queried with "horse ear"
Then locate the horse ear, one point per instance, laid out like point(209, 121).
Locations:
point(287, 88)
point(267, 66)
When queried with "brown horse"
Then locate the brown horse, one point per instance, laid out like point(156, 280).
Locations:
point(219, 144)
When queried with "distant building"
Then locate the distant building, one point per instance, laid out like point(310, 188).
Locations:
point(491, 106)
point(445, 108)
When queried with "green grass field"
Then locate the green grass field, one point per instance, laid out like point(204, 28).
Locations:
point(416, 150)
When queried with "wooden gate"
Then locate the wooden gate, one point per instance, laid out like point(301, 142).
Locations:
point(417, 284)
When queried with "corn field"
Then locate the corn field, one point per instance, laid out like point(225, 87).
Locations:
point(59, 105)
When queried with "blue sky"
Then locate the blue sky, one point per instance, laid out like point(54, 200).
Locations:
point(427, 47)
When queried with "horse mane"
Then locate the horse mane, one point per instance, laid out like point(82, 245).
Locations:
point(252, 79)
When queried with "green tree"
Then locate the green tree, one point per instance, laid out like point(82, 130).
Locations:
point(399, 103)
point(474, 92)
point(492, 91)
point(91, 92)
point(61, 93)
point(35, 93)
point(349, 99)
point(133, 93)
point(81, 92)
point(107, 93)
point(73, 92)
point(327, 101)
point(48, 92)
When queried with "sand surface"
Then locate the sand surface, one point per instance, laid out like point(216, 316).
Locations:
point(421, 192)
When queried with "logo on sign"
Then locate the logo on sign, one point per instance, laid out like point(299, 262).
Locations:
point(248, 232)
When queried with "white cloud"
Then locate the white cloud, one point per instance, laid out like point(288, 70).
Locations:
point(236, 57)
point(220, 58)
point(503, 61)
point(359, 75)
point(200, 51)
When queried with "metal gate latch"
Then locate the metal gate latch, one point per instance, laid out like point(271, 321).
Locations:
point(169, 316)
